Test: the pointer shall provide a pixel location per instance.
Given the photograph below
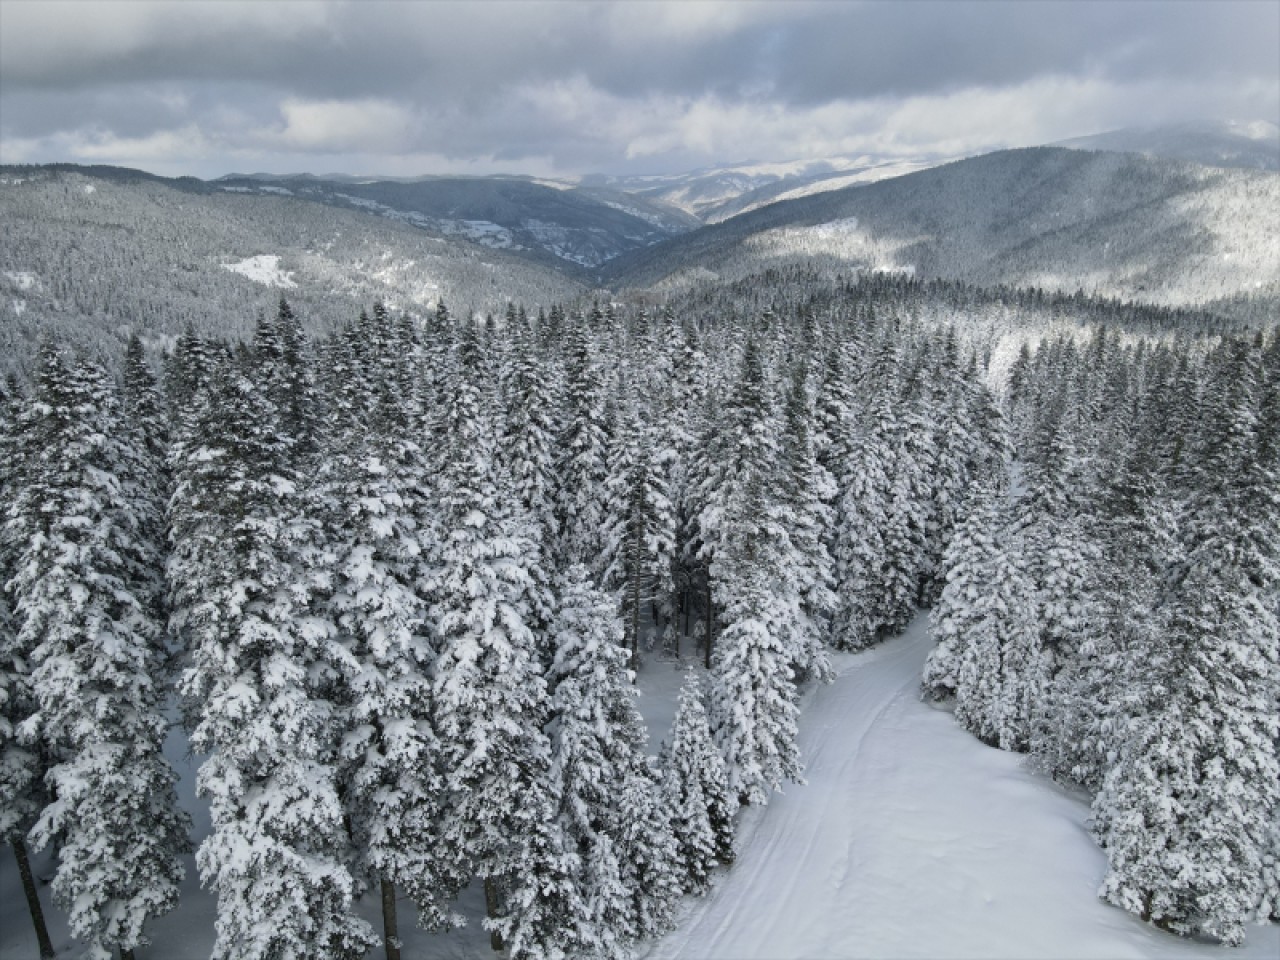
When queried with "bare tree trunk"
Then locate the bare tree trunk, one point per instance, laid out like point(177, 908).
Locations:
point(491, 906)
point(688, 606)
point(390, 931)
point(33, 897)
point(126, 954)
point(635, 618)
point(709, 621)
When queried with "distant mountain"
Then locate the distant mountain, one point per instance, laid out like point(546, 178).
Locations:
point(1249, 146)
point(715, 194)
point(558, 224)
point(96, 253)
point(1109, 223)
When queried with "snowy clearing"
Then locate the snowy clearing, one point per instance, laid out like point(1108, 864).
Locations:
point(264, 269)
point(913, 839)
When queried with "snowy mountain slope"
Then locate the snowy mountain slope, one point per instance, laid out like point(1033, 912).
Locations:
point(575, 229)
point(140, 253)
point(792, 187)
point(715, 194)
point(1250, 146)
point(912, 839)
point(1113, 224)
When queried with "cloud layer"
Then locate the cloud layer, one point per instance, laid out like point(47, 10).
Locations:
point(566, 87)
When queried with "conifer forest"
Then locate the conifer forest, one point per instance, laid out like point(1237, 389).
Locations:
point(393, 582)
point(639, 480)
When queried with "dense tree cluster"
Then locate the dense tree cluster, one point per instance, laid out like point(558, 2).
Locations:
point(398, 579)
point(1117, 612)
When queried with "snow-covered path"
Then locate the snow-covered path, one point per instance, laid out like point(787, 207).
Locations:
point(912, 839)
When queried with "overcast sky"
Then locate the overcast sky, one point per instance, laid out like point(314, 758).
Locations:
point(563, 88)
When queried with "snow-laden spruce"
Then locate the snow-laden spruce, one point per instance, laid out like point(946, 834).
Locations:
point(611, 809)
point(85, 591)
point(697, 787)
point(244, 595)
point(490, 702)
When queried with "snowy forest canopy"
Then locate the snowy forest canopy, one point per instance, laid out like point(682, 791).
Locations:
point(393, 580)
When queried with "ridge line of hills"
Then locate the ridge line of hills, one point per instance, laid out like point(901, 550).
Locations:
point(113, 247)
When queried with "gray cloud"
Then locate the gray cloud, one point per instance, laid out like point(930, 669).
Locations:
point(205, 87)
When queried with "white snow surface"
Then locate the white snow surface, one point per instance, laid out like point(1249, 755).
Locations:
point(264, 269)
point(910, 839)
point(913, 839)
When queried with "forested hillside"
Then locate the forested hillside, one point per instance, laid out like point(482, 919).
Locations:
point(1109, 224)
point(91, 259)
point(395, 576)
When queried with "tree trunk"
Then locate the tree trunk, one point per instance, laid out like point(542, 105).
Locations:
point(635, 619)
point(126, 954)
point(687, 604)
point(491, 906)
point(709, 621)
point(33, 897)
point(390, 932)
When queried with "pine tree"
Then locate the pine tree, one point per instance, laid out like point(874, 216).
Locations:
point(969, 564)
point(490, 699)
point(582, 462)
point(697, 788)
point(754, 694)
point(1186, 813)
point(244, 597)
point(639, 543)
point(23, 764)
point(806, 492)
point(370, 490)
point(609, 803)
point(85, 589)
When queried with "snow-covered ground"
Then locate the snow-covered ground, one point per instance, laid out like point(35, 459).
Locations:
point(264, 269)
point(910, 839)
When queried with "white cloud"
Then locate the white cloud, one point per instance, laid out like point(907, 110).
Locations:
point(356, 126)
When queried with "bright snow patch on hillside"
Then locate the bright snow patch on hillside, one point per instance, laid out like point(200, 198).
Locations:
point(23, 279)
point(264, 269)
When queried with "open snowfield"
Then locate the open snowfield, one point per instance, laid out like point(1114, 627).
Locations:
point(913, 839)
point(910, 839)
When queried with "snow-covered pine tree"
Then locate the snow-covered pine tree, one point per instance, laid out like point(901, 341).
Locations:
point(684, 399)
point(243, 599)
point(529, 433)
point(1056, 531)
point(1100, 689)
point(968, 566)
point(697, 788)
point(609, 804)
point(284, 373)
point(142, 404)
point(639, 523)
point(23, 790)
point(370, 492)
point(490, 701)
point(954, 450)
point(806, 491)
point(84, 590)
point(858, 550)
point(582, 457)
point(1186, 813)
point(754, 698)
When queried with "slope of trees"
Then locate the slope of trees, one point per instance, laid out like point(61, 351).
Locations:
point(1129, 636)
point(410, 569)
